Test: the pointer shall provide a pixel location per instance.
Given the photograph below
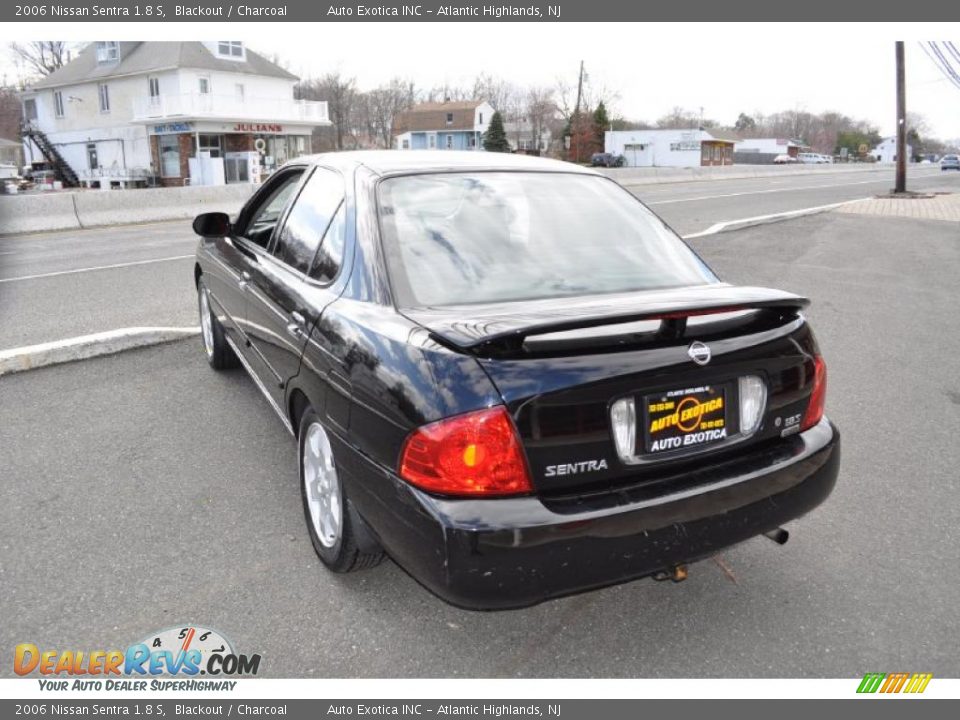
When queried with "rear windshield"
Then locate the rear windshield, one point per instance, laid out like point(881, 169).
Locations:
point(500, 236)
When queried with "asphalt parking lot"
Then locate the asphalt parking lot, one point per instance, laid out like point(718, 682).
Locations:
point(143, 490)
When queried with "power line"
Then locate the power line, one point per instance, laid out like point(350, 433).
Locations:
point(942, 64)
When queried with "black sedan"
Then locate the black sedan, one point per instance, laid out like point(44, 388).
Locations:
point(509, 375)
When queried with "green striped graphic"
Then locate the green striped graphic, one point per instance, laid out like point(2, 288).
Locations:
point(871, 682)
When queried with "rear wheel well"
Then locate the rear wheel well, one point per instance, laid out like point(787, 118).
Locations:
point(296, 407)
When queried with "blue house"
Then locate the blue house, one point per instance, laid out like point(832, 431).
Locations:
point(443, 126)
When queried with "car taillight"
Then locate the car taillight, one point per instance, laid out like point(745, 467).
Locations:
point(474, 454)
point(818, 395)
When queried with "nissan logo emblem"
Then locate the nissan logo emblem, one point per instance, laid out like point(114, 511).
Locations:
point(699, 353)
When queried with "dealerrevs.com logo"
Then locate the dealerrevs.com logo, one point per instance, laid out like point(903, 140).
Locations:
point(179, 652)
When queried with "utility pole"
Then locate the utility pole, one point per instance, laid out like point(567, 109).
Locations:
point(575, 125)
point(901, 182)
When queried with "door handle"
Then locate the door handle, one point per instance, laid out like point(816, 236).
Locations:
point(297, 325)
point(244, 280)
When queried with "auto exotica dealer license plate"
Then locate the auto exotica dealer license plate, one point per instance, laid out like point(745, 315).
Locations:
point(687, 418)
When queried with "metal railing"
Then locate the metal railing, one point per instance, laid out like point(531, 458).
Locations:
point(197, 105)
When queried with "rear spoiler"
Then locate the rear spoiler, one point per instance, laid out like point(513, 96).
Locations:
point(489, 329)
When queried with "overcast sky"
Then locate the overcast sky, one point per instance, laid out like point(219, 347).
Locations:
point(726, 69)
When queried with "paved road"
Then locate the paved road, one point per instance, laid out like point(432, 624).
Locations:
point(153, 491)
point(158, 292)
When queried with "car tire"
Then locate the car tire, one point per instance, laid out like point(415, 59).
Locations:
point(219, 354)
point(336, 531)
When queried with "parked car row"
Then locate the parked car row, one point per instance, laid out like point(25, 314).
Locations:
point(606, 159)
point(814, 158)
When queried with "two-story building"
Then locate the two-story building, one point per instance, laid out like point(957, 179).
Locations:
point(176, 113)
point(443, 126)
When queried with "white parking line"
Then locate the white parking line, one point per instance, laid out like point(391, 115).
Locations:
point(89, 346)
point(93, 269)
point(771, 190)
point(762, 219)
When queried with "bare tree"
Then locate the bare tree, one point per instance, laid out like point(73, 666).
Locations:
point(447, 93)
point(340, 94)
point(541, 109)
point(9, 113)
point(41, 57)
point(384, 103)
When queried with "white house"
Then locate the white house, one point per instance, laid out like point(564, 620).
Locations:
point(671, 148)
point(886, 151)
point(443, 126)
point(180, 112)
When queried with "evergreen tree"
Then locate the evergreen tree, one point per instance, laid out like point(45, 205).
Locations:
point(495, 138)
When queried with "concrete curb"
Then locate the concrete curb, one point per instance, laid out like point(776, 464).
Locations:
point(89, 346)
point(741, 223)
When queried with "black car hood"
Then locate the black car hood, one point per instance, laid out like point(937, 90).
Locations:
point(471, 327)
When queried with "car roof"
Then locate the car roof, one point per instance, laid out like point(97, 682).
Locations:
point(389, 162)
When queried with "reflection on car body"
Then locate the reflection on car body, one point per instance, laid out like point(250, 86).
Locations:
point(510, 375)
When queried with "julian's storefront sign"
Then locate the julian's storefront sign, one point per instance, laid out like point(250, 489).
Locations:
point(258, 127)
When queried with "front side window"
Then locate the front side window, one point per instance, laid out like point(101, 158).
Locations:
point(309, 217)
point(265, 216)
point(104, 94)
point(58, 103)
point(498, 237)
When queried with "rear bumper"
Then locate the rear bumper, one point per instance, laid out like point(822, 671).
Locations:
point(506, 553)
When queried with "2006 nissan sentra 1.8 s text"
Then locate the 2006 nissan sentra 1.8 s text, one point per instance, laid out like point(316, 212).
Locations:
point(509, 375)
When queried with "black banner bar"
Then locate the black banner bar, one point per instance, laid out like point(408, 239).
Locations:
point(430, 11)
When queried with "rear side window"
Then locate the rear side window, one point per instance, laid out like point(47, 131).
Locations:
point(308, 219)
point(497, 237)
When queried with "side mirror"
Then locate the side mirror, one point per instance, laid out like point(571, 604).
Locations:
point(212, 224)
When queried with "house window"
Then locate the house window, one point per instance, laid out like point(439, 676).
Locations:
point(481, 118)
point(169, 155)
point(92, 161)
point(230, 48)
point(449, 142)
point(104, 93)
point(204, 85)
point(108, 52)
point(58, 103)
point(406, 144)
point(153, 88)
point(433, 141)
point(240, 90)
point(449, 118)
point(473, 141)
point(30, 109)
point(212, 144)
